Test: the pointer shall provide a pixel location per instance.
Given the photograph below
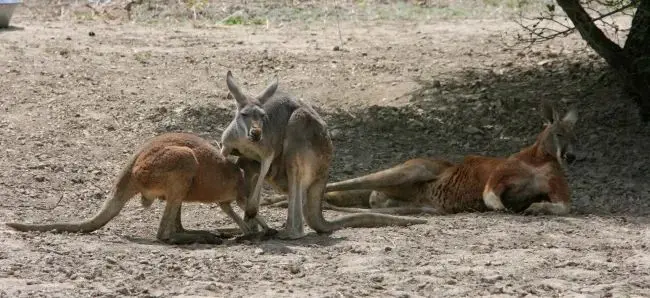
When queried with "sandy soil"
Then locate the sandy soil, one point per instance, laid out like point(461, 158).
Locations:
point(74, 106)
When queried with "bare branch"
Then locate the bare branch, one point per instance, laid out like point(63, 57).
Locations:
point(539, 33)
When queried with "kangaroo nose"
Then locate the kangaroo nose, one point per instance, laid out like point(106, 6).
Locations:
point(569, 157)
point(255, 135)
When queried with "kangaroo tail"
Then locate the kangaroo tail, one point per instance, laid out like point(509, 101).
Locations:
point(348, 198)
point(122, 192)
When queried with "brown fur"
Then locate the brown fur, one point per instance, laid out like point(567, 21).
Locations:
point(177, 168)
point(283, 140)
point(531, 180)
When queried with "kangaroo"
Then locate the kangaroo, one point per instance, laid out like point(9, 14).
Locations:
point(177, 168)
point(290, 141)
point(530, 181)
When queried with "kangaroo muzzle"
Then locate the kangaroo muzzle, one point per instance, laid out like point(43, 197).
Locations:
point(255, 134)
point(566, 156)
point(569, 157)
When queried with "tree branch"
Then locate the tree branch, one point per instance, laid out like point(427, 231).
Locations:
point(537, 34)
point(610, 51)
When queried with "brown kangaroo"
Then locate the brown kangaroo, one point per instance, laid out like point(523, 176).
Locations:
point(177, 168)
point(531, 181)
point(286, 143)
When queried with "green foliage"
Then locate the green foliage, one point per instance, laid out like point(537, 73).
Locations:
point(234, 20)
point(142, 57)
point(238, 19)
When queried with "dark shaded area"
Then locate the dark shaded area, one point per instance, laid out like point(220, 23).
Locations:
point(491, 113)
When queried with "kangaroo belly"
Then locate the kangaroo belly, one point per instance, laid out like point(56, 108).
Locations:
point(457, 191)
point(277, 177)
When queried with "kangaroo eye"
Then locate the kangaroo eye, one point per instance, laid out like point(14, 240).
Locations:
point(244, 114)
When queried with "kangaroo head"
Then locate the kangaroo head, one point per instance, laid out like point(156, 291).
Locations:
point(250, 115)
point(560, 137)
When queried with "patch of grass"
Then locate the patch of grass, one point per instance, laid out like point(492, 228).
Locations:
point(84, 15)
point(258, 21)
point(512, 4)
point(241, 20)
point(142, 57)
point(234, 20)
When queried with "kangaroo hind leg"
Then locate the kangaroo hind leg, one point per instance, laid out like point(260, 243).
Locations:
point(294, 226)
point(407, 210)
point(173, 170)
point(407, 173)
point(209, 236)
point(171, 231)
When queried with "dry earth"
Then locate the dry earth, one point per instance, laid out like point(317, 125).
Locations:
point(74, 106)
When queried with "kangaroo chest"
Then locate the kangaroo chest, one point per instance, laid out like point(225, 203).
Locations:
point(249, 149)
point(276, 175)
point(534, 180)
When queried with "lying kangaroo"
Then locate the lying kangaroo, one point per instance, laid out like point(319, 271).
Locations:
point(177, 168)
point(291, 143)
point(530, 181)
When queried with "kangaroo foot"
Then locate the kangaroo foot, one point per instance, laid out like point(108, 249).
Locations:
point(193, 237)
point(227, 233)
point(221, 233)
point(290, 234)
point(257, 236)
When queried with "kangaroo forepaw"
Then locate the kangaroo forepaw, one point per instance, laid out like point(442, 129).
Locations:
point(547, 208)
point(536, 209)
point(253, 225)
point(493, 202)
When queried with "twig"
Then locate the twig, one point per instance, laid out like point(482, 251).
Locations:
point(95, 185)
point(35, 207)
point(31, 187)
point(338, 25)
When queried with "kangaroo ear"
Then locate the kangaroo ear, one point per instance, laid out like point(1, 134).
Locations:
point(571, 117)
point(269, 90)
point(240, 98)
point(548, 112)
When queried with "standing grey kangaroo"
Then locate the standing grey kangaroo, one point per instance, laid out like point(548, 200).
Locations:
point(289, 141)
point(531, 181)
point(177, 168)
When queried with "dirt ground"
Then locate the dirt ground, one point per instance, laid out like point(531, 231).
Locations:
point(78, 94)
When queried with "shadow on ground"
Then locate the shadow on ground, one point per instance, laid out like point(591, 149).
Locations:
point(492, 112)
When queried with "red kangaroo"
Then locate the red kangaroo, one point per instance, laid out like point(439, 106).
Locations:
point(531, 181)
